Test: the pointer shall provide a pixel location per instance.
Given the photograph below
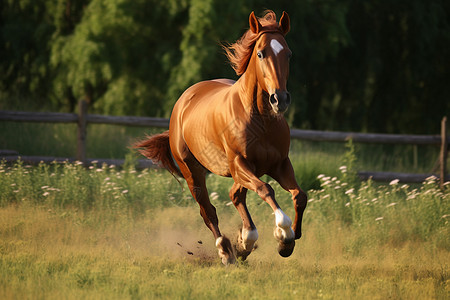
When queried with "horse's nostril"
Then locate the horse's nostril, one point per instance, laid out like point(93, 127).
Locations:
point(273, 99)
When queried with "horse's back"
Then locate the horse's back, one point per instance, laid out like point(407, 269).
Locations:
point(205, 91)
point(197, 121)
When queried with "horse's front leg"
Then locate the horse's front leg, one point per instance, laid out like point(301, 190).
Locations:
point(284, 174)
point(244, 174)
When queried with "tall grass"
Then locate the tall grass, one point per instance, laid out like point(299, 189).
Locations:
point(419, 211)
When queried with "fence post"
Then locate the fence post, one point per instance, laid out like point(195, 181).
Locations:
point(81, 136)
point(444, 149)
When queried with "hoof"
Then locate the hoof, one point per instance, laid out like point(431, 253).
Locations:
point(225, 250)
point(242, 249)
point(285, 250)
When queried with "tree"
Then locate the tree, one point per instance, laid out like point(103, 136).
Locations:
point(379, 66)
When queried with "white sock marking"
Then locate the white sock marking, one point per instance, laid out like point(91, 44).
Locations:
point(219, 240)
point(276, 46)
point(281, 219)
point(283, 231)
point(249, 237)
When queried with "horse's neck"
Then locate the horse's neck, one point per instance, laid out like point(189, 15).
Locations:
point(253, 98)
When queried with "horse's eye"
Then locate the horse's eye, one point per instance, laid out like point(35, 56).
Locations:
point(260, 55)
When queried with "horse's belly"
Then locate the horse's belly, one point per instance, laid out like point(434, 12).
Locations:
point(212, 158)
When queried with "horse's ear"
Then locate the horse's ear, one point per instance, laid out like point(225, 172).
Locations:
point(285, 23)
point(255, 26)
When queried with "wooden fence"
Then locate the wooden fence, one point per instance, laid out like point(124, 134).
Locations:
point(82, 119)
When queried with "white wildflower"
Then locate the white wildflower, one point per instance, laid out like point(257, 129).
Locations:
point(44, 187)
point(347, 204)
point(326, 183)
point(214, 196)
point(379, 218)
point(391, 204)
point(124, 191)
point(410, 197)
point(350, 191)
point(394, 182)
point(321, 176)
point(45, 194)
point(431, 178)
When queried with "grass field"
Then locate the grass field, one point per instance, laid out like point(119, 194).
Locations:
point(67, 232)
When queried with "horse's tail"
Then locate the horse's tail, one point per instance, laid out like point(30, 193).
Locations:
point(157, 148)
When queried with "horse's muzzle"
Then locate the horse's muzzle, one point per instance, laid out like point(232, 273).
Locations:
point(280, 101)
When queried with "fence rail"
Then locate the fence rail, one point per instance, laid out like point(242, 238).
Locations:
point(48, 117)
point(377, 138)
point(82, 119)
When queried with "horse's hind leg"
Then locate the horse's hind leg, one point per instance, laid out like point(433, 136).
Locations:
point(194, 174)
point(248, 234)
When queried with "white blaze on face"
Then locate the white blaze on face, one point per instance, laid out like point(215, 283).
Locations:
point(276, 46)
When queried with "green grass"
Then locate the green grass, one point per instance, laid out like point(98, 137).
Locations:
point(104, 233)
point(48, 139)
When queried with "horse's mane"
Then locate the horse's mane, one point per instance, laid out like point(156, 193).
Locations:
point(239, 53)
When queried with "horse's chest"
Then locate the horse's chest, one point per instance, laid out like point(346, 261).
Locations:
point(264, 156)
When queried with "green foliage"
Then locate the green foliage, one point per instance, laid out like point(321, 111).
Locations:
point(349, 166)
point(364, 66)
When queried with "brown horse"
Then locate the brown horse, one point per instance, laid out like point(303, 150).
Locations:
point(237, 129)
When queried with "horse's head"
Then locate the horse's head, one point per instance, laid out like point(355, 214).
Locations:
point(272, 55)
